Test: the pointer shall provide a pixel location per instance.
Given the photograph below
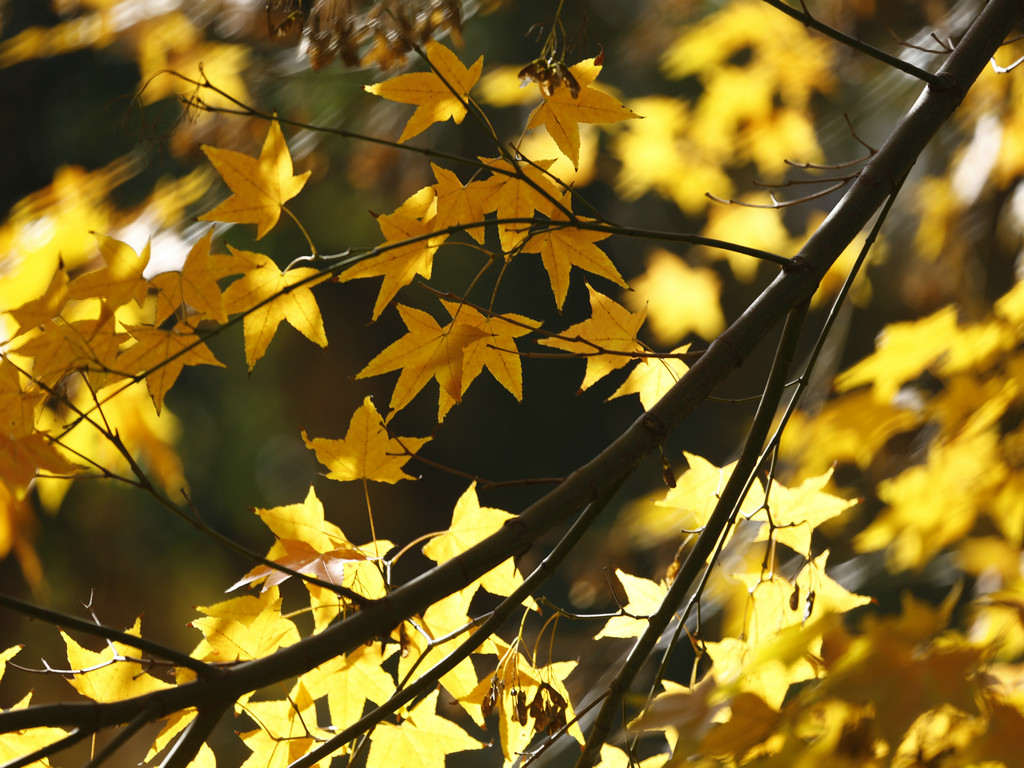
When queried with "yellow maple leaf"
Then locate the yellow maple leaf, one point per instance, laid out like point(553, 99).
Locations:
point(471, 524)
point(796, 512)
point(303, 522)
point(643, 598)
point(366, 452)
point(734, 663)
point(688, 505)
point(561, 111)
point(613, 757)
point(438, 95)
point(496, 349)
point(243, 628)
point(904, 351)
point(59, 346)
point(22, 458)
point(562, 248)
point(756, 227)
point(350, 680)
point(510, 196)
point(17, 407)
point(287, 730)
point(194, 286)
point(420, 648)
point(308, 543)
point(426, 352)
point(110, 676)
point(9, 653)
point(761, 608)
point(267, 296)
point(933, 505)
point(458, 204)
point(611, 328)
point(751, 721)
point(680, 299)
point(17, 744)
point(120, 281)
point(46, 307)
point(901, 679)
point(659, 153)
point(653, 377)
point(399, 264)
point(163, 354)
point(261, 185)
point(422, 740)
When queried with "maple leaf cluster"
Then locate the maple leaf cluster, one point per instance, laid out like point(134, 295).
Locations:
point(791, 680)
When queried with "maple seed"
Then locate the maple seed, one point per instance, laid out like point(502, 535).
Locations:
point(521, 711)
point(549, 74)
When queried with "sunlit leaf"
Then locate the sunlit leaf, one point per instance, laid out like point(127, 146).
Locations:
point(367, 452)
point(438, 95)
point(260, 185)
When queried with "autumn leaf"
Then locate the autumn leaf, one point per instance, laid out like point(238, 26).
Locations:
point(9, 653)
point(653, 377)
point(367, 452)
point(243, 628)
point(22, 458)
point(561, 112)
point(39, 310)
point(302, 558)
point(398, 263)
point(496, 348)
point(904, 351)
point(517, 193)
point(935, 504)
point(643, 598)
point(120, 281)
point(194, 286)
point(613, 757)
point(762, 607)
point(302, 522)
point(287, 729)
point(751, 721)
point(795, 512)
point(162, 354)
point(349, 681)
point(261, 185)
point(422, 647)
point(426, 352)
point(308, 543)
point(610, 329)
point(17, 407)
point(659, 153)
point(16, 744)
point(562, 248)
point(680, 299)
point(110, 676)
point(267, 296)
point(903, 680)
point(471, 524)
point(422, 740)
point(688, 505)
point(438, 95)
point(458, 205)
